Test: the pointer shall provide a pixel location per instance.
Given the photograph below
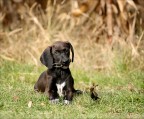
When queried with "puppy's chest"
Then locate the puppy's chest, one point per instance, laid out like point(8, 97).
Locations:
point(61, 78)
point(60, 87)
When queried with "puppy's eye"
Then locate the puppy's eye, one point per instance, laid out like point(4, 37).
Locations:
point(66, 50)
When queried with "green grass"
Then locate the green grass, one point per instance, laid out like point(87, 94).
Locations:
point(121, 93)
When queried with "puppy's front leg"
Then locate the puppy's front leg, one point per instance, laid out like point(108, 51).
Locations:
point(52, 92)
point(68, 96)
point(69, 90)
point(53, 97)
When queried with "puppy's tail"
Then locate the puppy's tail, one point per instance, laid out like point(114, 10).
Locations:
point(78, 92)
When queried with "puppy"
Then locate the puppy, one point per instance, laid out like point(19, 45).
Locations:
point(57, 80)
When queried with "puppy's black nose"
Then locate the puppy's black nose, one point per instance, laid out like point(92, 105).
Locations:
point(65, 62)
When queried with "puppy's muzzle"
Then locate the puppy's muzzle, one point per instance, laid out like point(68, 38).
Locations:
point(64, 64)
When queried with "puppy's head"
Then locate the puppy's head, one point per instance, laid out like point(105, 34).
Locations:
point(57, 55)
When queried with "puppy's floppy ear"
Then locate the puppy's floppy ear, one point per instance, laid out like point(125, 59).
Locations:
point(46, 57)
point(72, 50)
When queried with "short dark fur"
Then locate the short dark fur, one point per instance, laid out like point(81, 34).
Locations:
point(57, 59)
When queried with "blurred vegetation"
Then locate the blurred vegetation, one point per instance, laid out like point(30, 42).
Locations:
point(121, 94)
point(104, 33)
point(108, 40)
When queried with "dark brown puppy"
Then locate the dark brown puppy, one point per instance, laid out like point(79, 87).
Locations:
point(57, 80)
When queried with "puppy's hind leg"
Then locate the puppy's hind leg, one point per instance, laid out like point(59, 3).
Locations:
point(36, 88)
point(46, 92)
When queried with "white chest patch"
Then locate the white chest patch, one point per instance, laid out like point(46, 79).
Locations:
point(60, 88)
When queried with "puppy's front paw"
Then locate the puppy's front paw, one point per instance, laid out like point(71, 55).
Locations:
point(54, 101)
point(67, 102)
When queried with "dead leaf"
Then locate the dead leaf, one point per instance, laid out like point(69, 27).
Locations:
point(15, 98)
point(130, 87)
point(42, 104)
point(29, 104)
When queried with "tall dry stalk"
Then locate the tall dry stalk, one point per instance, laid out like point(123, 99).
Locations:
point(88, 33)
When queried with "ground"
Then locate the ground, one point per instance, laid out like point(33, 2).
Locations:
point(121, 94)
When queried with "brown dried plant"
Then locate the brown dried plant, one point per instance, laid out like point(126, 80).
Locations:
point(88, 33)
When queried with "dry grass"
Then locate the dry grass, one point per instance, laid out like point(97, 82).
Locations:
point(120, 82)
point(89, 40)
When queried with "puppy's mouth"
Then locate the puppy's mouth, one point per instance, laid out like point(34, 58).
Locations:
point(61, 65)
point(65, 67)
